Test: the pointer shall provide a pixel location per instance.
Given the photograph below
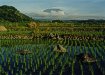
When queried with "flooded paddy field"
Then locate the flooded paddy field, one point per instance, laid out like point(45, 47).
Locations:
point(44, 61)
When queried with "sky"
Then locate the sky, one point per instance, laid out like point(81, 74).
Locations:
point(59, 9)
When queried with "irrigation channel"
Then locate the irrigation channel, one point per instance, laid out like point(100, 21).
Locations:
point(44, 61)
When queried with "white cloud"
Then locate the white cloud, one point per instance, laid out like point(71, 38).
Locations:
point(54, 12)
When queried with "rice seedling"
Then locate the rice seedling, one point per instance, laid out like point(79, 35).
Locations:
point(44, 60)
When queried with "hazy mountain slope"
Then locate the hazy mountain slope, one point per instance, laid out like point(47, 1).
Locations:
point(10, 13)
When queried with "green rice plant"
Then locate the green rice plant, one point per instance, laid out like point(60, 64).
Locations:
point(0, 68)
point(20, 72)
point(51, 72)
point(81, 66)
point(43, 57)
point(12, 72)
point(73, 67)
point(91, 69)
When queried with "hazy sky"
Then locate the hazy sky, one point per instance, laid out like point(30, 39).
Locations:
point(66, 8)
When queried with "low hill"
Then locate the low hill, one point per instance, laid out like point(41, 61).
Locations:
point(10, 13)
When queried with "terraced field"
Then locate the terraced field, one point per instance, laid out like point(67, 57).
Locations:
point(44, 61)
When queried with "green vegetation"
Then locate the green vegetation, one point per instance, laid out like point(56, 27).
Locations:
point(10, 13)
point(72, 30)
point(45, 61)
point(32, 48)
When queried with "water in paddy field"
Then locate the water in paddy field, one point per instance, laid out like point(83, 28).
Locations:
point(44, 61)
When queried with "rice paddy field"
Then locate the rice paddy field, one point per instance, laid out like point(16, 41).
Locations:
point(76, 37)
point(44, 61)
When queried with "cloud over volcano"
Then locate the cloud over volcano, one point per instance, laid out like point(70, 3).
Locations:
point(54, 12)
